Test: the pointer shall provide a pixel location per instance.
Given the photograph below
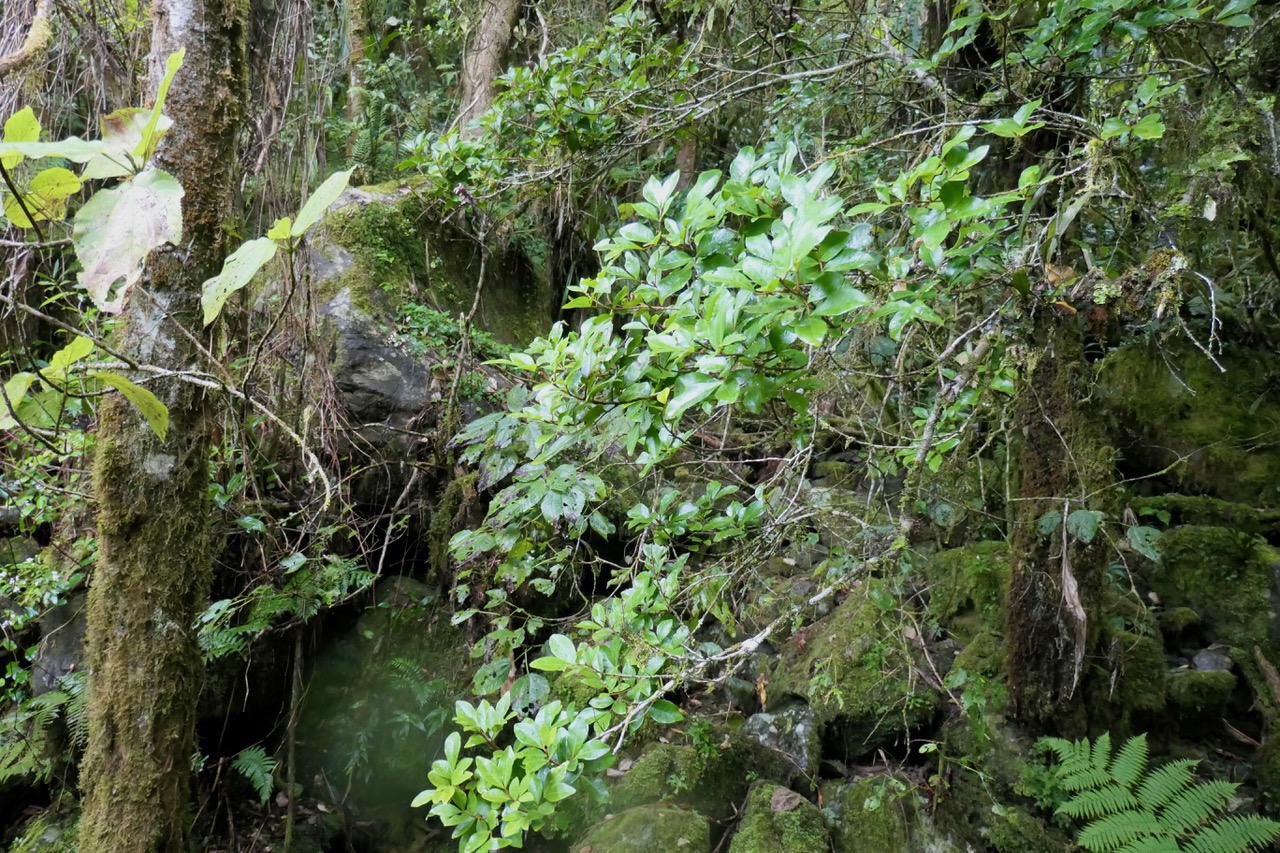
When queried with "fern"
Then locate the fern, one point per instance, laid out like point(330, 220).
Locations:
point(1129, 809)
point(258, 768)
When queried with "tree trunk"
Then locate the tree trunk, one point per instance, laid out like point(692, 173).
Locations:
point(154, 559)
point(1062, 464)
point(357, 14)
point(485, 59)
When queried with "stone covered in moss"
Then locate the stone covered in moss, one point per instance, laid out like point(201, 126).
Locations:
point(711, 778)
point(1266, 769)
point(1201, 509)
point(1138, 662)
point(875, 815)
point(1224, 576)
point(968, 587)
point(1202, 693)
point(778, 820)
point(647, 829)
point(985, 655)
point(856, 670)
point(1176, 411)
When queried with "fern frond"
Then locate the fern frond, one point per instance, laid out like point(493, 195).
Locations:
point(1107, 799)
point(1101, 757)
point(1152, 844)
point(1195, 805)
point(1131, 762)
point(1117, 831)
point(1083, 778)
point(257, 767)
point(1167, 782)
point(1236, 834)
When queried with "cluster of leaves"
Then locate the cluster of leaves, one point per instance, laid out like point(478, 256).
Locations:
point(1128, 807)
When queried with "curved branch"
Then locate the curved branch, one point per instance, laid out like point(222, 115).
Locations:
point(38, 36)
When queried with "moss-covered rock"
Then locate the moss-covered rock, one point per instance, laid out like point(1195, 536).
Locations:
point(1266, 770)
point(646, 829)
point(1175, 411)
point(968, 587)
point(778, 820)
point(875, 815)
point(1225, 577)
point(856, 669)
point(984, 655)
point(1201, 509)
point(1138, 662)
point(1201, 693)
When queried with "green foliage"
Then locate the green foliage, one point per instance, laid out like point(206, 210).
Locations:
point(1128, 807)
point(258, 770)
point(26, 750)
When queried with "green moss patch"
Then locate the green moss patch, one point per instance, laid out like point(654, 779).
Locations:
point(647, 829)
point(968, 587)
point(778, 820)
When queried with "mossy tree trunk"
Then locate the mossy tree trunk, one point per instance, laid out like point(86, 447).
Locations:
point(1062, 465)
point(154, 559)
point(485, 58)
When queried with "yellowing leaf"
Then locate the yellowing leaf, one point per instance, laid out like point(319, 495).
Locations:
point(122, 136)
point(22, 126)
point(155, 412)
point(280, 230)
point(116, 229)
point(14, 392)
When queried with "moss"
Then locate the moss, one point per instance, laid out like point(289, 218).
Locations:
point(834, 473)
point(778, 820)
point(1201, 693)
point(875, 815)
point(1200, 509)
point(449, 513)
point(645, 829)
point(1266, 769)
point(984, 655)
point(1015, 830)
point(711, 778)
point(1138, 662)
point(1222, 574)
point(1175, 408)
point(1177, 620)
point(968, 587)
point(855, 669)
point(399, 252)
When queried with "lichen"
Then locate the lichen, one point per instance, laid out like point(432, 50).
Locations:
point(778, 820)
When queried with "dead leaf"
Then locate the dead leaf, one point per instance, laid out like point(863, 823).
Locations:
point(785, 800)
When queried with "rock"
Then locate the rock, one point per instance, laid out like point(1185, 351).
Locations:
point(648, 829)
point(968, 587)
point(1214, 658)
point(778, 820)
point(1225, 577)
point(790, 731)
point(61, 649)
point(857, 670)
point(879, 814)
point(1201, 693)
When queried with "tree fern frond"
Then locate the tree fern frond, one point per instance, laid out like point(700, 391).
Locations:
point(1235, 834)
point(1131, 762)
point(1167, 782)
point(1152, 844)
point(1099, 802)
point(1113, 832)
point(1195, 805)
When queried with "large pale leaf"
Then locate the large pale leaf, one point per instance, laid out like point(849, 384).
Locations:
point(72, 148)
point(237, 271)
point(22, 126)
point(144, 401)
point(123, 133)
point(116, 229)
point(325, 195)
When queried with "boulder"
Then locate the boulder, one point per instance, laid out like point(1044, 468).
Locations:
point(648, 829)
point(778, 820)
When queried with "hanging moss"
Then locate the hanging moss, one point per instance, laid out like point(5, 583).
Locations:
point(458, 496)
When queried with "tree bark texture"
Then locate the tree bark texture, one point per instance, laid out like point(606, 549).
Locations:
point(485, 60)
point(154, 558)
point(1062, 463)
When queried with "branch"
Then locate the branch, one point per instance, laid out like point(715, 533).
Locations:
point(38, 36)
